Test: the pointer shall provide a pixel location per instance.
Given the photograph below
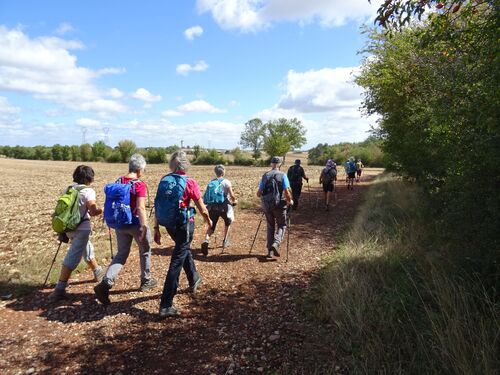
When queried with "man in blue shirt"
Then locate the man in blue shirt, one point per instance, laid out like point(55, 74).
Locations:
point(274, 191)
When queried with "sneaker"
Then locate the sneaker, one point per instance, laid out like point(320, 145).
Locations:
point(193, 288)
point(58, 295)
point(148, 284)
point(269, 254)
point(101, 291)
point(204, 248)
point(225, 243)
point(275, 246)
point(99, 274)
point(171, 311)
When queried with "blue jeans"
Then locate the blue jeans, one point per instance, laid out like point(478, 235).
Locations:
point(80, 246)
point(181, 258)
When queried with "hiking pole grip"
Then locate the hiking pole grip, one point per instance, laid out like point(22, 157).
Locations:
point(52, 264)
point(256, 233)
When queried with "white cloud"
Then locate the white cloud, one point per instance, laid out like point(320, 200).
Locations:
point(6, 108)
point(193, 32)
point(171, 113)
point(145, 95)
point(185, 69)
point(115, 93)
point(104, 71)
point(255, 15)
point(87, 122)
point(64, 28)
point(321, 90)
point(199, 106)
point(45, 68)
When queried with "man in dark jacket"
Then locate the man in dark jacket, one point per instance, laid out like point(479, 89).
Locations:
point(295, 175)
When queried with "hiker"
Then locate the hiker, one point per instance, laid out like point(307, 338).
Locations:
point(175, 192)
point(351, 172)
point(359, 169)
point(274, 191)
point(137, 230)
point(327, 180)
point(216, 198)
point(295, 175)
point(80, 246)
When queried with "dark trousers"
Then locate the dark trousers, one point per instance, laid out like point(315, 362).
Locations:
point(296, 190)
point(276, 225)
point(181, 258)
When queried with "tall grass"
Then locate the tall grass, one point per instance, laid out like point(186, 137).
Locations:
point(397, 304)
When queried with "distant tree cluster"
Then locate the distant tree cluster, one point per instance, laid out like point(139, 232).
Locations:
point(369, 151)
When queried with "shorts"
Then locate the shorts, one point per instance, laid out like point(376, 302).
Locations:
point(223, 211)
point(327, 187)
point(80, 246)
point(359, 172)
point(351, 175)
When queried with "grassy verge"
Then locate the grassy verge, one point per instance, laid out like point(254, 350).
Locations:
point(395, 302)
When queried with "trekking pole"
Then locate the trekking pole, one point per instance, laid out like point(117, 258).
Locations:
point(256, 232)
point(289, 225)
point(309, 193)
point(53, 261)
point(110, 243)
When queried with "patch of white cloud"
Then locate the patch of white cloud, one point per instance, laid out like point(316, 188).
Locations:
point(171, 113)
point(6, 108)
point(88, 123)
point(64, 28)
point(45, 68)
point(115, 93)
point(199, 106)
point(255, 15)
point(185, 69)
point(145, 96)
point(193, 32)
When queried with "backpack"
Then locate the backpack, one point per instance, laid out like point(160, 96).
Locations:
point(66, 216)
point(170, 211)
point(214, 194)
point(117, 210)
point(294, 174)
point(329, 175)
point(273, 190)
point(351, 167)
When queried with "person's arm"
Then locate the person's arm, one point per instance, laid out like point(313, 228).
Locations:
point(261, 188)
point(93, 209)
point(321, 178)
point(140, 211)
point(288, 197)
point(202, 209)
point(232, 195)
point(304, 175)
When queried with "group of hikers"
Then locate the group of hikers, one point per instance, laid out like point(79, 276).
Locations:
point(125, 211)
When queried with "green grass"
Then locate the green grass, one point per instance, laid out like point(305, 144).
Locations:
point(396, 305)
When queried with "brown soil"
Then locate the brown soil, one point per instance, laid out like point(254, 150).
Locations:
point(245, 318)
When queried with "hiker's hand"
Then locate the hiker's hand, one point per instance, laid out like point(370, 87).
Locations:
point(307, 180)
point(290, 204)
point(209, 223)
point(235, 202)
point(143, 231)
point(157, 236)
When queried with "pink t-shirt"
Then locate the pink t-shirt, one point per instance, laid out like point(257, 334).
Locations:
point(139, 190)
point(192, 190)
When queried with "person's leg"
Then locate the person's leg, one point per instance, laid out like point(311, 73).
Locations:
point(280, 217)
point(144, 254)
point(89, 257)
point(271, 228)
point(179, 235)
point(298, 192)
point(124, 241)
point(188, 265)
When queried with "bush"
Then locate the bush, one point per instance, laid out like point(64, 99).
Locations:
point(114, 157)
point(209, 158)
point(369, 151)
point(156, 155)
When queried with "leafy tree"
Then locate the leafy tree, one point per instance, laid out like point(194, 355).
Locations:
point(57, 152)
point(253, 136)
point(75, 152)
point(197, 150)
point(86, 152)
point(156, 155)
point(126, 148)
point(66, 153)
point(283, 135)
point(100, 151)
point(42, 153)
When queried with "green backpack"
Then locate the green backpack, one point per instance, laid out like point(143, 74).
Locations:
point(66, 216)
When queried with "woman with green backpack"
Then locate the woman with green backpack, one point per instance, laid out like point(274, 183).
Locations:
point(80, 246)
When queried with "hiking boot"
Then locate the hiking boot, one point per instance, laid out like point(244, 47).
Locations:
point(148, 284)
point(204, 248)
point(193, 288)
point(225, 243)
point(269, 254)
point(99, 274)
point(58, 295)
point(275, 246)
point(166, 312)
point(101, 291)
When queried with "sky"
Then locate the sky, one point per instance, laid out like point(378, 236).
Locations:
point(162, 72)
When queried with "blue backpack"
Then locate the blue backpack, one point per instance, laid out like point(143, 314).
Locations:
point(117, 211)
point(214, 193)
point(169, 209)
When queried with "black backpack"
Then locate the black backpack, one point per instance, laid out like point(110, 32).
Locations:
point(294, 174)
point(329, 175)
point(272, 194)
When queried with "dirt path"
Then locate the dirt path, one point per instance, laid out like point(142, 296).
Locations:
point(244, 319)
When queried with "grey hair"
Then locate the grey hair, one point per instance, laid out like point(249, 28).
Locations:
point(178, 161)
point(219, 170)
point(136, 163)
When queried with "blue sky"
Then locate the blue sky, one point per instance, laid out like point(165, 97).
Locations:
point(160, 72)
